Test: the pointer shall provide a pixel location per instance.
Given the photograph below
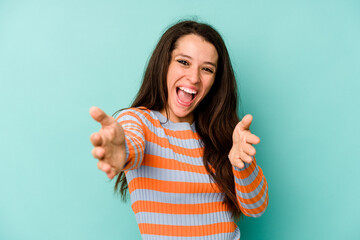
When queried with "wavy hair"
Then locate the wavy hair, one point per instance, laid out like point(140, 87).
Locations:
point(216, 115)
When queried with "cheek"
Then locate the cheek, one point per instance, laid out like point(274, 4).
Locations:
point(208, 84)
point(172, 75)
point(169, 78)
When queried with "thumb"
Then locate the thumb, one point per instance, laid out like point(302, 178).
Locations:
point(100, 116)
point(245, 122)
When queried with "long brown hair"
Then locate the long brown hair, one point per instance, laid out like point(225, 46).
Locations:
point(215, 116)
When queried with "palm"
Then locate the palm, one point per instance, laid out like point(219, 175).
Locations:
point(242, 150)
point(111, 137)
point(109, 143)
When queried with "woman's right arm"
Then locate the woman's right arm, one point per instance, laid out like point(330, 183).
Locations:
point(109, 143)
point(120, 144)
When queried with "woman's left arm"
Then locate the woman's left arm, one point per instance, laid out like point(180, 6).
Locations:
point(250, 183)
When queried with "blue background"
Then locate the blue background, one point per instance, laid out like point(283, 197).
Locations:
point(298, 67)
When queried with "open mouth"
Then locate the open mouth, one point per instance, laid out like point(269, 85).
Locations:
point(186, 95)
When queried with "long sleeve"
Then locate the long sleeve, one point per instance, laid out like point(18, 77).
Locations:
point(133, 126)
point(251, 189)
point(171, 192)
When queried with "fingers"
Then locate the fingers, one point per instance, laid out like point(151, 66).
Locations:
point(244, 124)
point(242, 156)
point(245, 157)
point(240, 164)
point(243, 151)
point(249, 149)
point(239, 158)
point(96, 139)
point(105, 167)
point(252, 139)
point(100, 116)
point(111, 174)
point(98, 152)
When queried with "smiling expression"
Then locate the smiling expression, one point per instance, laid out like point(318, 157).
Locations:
point(190, 76)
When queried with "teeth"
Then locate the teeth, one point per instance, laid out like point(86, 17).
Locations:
point(188, 90)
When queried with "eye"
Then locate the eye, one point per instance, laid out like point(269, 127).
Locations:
point(183, 62)
point(209, 70)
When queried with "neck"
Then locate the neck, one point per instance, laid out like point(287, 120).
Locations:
point(172, 117)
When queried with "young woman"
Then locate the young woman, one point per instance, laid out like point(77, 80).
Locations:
point(186, 159)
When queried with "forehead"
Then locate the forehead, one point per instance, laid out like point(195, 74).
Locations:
point(196, 47)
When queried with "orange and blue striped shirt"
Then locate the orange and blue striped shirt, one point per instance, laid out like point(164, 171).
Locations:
point(171, 192)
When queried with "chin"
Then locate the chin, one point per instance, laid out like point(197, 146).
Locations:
point(182, 114)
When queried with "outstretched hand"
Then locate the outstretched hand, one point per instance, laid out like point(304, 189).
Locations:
point(242, 150)
point(109, 143)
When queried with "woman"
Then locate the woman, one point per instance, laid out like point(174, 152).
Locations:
point(180, 149)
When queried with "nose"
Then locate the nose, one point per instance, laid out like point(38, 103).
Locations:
point(193, 75)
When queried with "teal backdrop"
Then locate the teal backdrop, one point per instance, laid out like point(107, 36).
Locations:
point(298, 67)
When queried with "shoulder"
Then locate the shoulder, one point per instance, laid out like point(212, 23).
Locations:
point(141, 115)
point(135, 111)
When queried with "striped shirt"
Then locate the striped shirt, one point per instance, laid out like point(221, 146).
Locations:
point(171, 192)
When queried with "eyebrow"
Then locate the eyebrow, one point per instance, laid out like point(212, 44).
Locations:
point(187, 56)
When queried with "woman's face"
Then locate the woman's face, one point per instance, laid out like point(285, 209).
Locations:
point(190, 76)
